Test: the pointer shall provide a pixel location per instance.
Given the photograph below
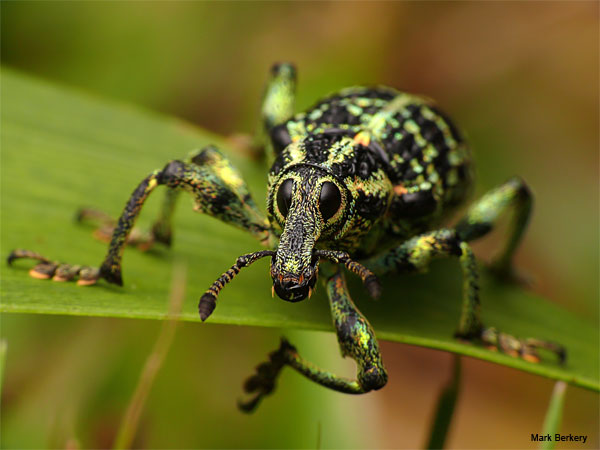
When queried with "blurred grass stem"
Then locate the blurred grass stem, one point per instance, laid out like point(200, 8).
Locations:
point(554, 413)
point(3, 348)
point(445, 408)
point(130, 422)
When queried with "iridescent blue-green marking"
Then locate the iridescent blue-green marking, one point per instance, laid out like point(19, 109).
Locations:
point(364, 180)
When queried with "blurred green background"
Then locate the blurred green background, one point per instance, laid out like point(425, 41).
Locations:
point(521, 80)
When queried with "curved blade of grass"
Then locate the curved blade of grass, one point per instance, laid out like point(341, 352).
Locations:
point(62, 150)
point(554, 414)
point(3, 349)
point(130, 422)
point(445, 408)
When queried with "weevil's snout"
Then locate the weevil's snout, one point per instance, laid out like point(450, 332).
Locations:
point(294, 288)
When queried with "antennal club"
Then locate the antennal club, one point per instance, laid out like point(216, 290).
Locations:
point(368, 278)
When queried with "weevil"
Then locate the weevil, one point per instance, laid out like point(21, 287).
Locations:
point(361, 182)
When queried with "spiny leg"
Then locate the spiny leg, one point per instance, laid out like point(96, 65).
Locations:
point(356, 339)
point(484, 214)
point(217, 188)
point(416, 255)
point(277, 107)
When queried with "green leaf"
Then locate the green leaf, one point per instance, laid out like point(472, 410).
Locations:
point(62, 150)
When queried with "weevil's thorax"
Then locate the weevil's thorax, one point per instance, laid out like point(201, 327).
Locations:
point(334, 156)
point(402, 163)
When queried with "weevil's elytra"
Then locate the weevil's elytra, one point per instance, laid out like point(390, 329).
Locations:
point(363, 180)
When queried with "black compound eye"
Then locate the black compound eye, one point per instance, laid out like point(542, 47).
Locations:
point(330, 200)
point(284, 196)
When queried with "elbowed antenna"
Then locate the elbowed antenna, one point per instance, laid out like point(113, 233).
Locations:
point(208, 301)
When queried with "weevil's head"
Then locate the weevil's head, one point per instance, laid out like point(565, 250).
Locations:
point(307, 203)
point(315, 194)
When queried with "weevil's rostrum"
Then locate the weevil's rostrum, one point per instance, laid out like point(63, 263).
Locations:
point(364, 180)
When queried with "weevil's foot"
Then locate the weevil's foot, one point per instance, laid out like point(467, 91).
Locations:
point(526, 349)
point(262, 383)
point(111, 273)
point(56, 271)
point(44, 271)
point(25, 254)
point(88, 276)
point(66, 272)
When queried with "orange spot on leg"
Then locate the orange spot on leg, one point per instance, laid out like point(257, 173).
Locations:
point(39, 275)
point(531, 358)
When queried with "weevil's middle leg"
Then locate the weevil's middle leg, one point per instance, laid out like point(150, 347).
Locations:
point(483, 215)
point(356, 339)
point(415, 255)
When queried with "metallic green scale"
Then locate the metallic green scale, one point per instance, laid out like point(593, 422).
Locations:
point(366, 174)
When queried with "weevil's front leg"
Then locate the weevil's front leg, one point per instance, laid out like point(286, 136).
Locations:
point(161, 230)
point(356, 338)
point(217, 188)
point(416, 254)
point(277, 107)
point(484, 214)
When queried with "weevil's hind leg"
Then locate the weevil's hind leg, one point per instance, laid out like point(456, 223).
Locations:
point(277, 107)
point(356, 338)
point(105, 226)
point(416, 254)
point(484, 214)
point(162, 228)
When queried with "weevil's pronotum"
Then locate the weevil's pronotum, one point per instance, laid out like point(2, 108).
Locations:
point(367, 174)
